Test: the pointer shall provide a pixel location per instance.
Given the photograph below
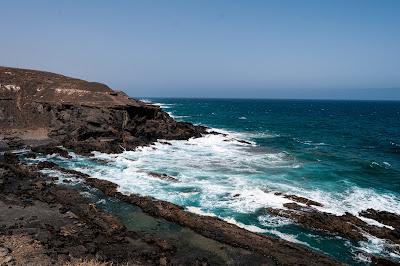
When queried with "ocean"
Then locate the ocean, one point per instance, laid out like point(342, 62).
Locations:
point(343, 154)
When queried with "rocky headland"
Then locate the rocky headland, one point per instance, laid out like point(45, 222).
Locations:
point(38, 108)
point(45, 220)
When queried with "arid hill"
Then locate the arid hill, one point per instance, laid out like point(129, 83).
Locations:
point(39, 107)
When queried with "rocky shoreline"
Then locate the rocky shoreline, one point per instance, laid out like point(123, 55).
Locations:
point(37, 208)
point(47, 221)
point(67, 227)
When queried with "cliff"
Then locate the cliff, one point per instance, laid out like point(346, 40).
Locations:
point(39, 107)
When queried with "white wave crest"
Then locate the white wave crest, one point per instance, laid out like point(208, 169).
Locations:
point(251, 228)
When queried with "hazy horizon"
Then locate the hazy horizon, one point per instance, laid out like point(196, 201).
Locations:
point(212, 49)
point(304, 94)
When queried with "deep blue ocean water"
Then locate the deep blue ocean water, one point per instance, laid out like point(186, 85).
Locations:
point(355, 141)
point(344, 154)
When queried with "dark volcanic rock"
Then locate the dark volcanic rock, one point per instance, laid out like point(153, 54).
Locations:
point(81, 115)
point(383, 261)
point(51, 149)
point(383, 217)
point(46, 164)
point(57, 221)
point(346, 225)
point(163, 177)
point(11, 158)
point(300, 199)
point(54, 166)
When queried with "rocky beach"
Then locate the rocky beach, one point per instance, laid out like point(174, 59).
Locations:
point(46, 219)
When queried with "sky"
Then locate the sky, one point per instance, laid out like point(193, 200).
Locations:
point(343, 49)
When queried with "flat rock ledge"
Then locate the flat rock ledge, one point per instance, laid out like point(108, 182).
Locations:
point(347, 225)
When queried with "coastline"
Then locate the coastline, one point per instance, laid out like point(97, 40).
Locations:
point(245, 246)
point(92, 117)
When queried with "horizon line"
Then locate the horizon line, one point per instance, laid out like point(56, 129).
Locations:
point(263, 98)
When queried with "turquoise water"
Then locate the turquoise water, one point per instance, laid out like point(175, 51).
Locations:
point(344, 154)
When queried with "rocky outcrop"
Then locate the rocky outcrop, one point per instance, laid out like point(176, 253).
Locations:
point(163, 177)
point(299, 199)
point(384, 217)
point(85, 116)
point(347, 225)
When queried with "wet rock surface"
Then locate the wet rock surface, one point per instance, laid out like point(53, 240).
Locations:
point(163, 177)
point(347, 225)
point(299, 199)
point(51, 149)
point(383, 217)
point(41, 108)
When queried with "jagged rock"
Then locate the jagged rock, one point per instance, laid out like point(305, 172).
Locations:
point(54, 166)
point(31, 155)
point(84, 116)
point(382, 261)
point(346, 225)
point(51, 149)
point(11, 158)
point(163, 177)
point(165, 143)
point(311, 218)
point(46, 164)
point(299, 199)
point(383, 217)
point(243, 141)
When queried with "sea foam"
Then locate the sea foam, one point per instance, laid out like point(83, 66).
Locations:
point(221, 175)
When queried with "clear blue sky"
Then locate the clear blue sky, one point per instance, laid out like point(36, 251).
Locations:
point(286, 49)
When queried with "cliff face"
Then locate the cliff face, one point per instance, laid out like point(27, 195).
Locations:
point(41, 106)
